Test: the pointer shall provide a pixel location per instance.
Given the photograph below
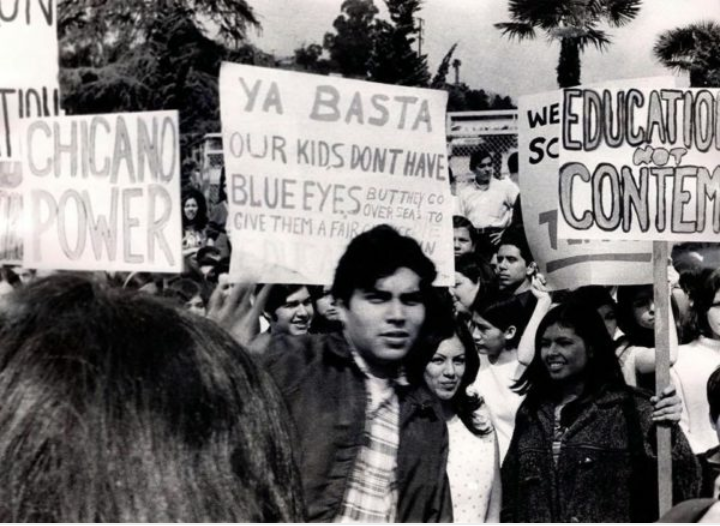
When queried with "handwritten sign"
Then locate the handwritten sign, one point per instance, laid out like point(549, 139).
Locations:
point(28, 40)
point(312, 161)
point(640, 163)
point(28, 88)
point(102, 192)
point(575, 262)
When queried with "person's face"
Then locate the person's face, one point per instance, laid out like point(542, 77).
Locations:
point(483, 170)
point(488, 338)
point(383, 322)
point(713, 316)
point(563, 353)
point(446, 368)
point(512, 269)
point(643, 309)
point(462, 241)
point(295, 315)
point(196, 305)
point(25, 275)
point(325, 306)
point(607, 313)
point(191, 208)
point(464, 292)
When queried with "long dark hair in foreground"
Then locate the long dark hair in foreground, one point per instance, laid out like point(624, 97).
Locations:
point(602, 369)
point(118, 408)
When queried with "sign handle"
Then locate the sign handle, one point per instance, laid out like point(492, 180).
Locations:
point(662, 368)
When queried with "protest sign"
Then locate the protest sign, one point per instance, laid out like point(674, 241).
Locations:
point(102, 192)
point(29, 65)
point(28, 41)
point(640, 163)
point(312, 161)
point(565, 263)
point(28, 88)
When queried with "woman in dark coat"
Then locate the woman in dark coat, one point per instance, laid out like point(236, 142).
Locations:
point(584, 443)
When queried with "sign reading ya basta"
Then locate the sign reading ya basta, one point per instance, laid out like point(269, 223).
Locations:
point(312, 161)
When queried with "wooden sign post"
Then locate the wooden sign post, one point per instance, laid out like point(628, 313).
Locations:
point(662, 368)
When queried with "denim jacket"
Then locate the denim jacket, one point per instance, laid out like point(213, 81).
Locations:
point(606, 470)
point(325, 393)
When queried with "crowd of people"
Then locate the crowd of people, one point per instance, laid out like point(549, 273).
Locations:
point(376, 398)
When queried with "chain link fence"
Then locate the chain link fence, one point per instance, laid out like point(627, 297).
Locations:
point(494, 131)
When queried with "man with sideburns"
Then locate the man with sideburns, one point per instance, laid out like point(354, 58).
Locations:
point(371, 443)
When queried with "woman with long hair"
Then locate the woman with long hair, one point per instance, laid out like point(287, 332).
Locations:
point(118, 408)
point(583, 447)
point(194, 220)
point(473, 462)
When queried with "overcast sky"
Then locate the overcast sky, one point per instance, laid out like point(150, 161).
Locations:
point(490, 61)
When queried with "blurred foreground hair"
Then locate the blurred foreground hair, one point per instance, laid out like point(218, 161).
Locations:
point(118, 408)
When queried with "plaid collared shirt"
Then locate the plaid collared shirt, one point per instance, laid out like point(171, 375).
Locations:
point(372, 489)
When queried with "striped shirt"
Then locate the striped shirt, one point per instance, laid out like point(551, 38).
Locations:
point(372, 492)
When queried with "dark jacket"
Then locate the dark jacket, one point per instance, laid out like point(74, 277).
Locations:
point(325, 393)
point(606, 471)
point(710, 469)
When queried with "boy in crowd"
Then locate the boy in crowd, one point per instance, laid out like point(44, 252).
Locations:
point(288, 310)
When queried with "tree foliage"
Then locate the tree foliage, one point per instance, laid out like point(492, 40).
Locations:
point(351, 45)
point(694, 49)
point(142, 55)
point(574, 23)
point(394, 61)
point(439, 80)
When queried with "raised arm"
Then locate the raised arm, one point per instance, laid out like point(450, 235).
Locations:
point(645, 356)
point(526, 347)
point(231, 306)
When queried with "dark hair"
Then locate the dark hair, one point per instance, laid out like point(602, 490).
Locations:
point(448, 327)
point(118, 408)
point(480, 272)
point(504, 313)
point(512, 162)
point(603, 366)
point(201, 218)
point(517, 239)
point(184, 289)
point(463, 222)
point(278, 295)
point(635, 334)
point(703, 297)
point(593, 296)
point(713, 394)
point(376, 254)
point(9, 275)
point(478, 155)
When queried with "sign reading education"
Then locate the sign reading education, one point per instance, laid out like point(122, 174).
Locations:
point(102, 192)
point(568, 263)
point(312, 161)
point(640, 164)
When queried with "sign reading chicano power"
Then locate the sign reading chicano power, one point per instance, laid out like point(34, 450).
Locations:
point(312, 161)
point(102, 192)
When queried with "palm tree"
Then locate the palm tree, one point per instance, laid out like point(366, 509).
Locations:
point(694, 49)
point(574, 23)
